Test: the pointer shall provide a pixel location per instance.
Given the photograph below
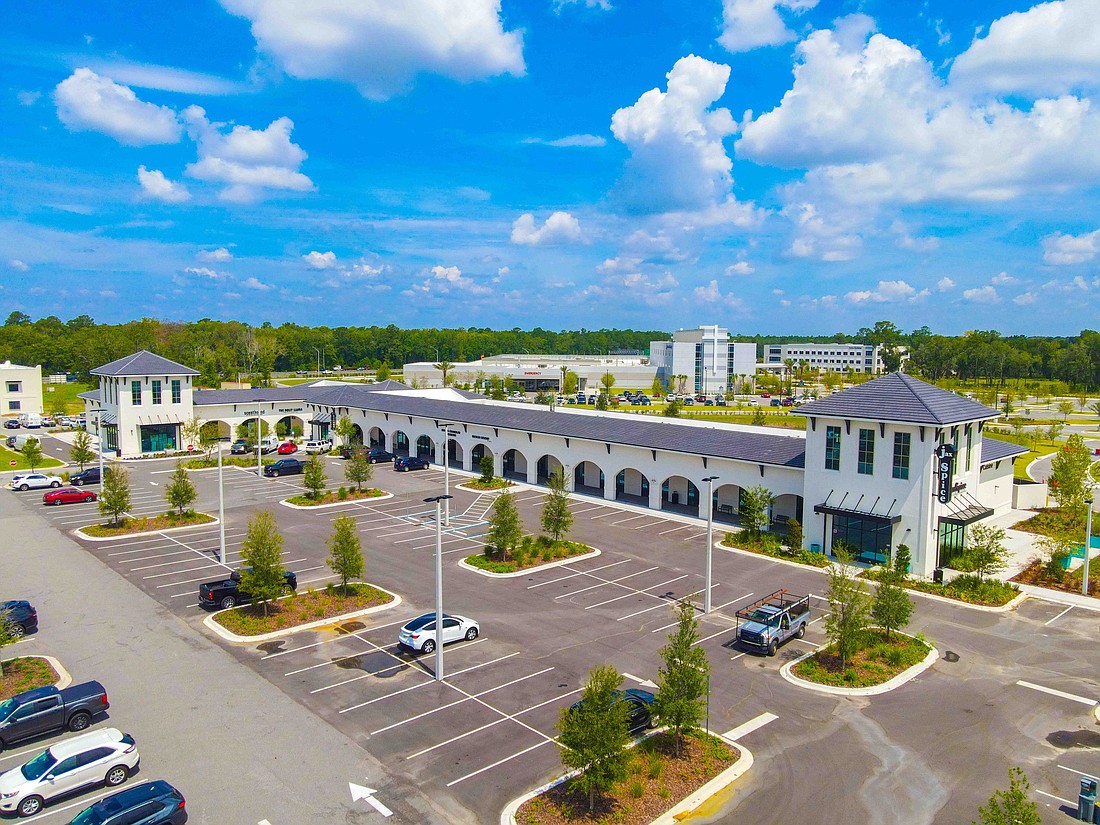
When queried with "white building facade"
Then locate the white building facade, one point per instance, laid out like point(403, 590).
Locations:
point(712, 363)
point(532, 372)
point(20, 390)
point(836, 357)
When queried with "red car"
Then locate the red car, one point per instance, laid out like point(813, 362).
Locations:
point(68, 495)
point(287, 448)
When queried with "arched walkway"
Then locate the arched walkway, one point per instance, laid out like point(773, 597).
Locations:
point(547, 466)
point(727, 504)
point(215, 430)
point(515, 465)
point(785, 508)
point(357, 436)
point(400, 443)
point(425, 448)
point(632, 486)
point(247, 429)
point(588, 479)
point(377, 438)
point(290, 426)
point(476, 454)
point(454, 453)
point(680, 495)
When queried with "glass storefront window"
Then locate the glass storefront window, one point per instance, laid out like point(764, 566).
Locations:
point(868, 539)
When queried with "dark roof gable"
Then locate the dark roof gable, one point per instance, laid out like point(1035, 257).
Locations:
point(143, 362)
point(899, 397)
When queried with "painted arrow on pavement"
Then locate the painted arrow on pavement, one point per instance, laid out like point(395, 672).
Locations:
point(643, 682)
point(360, 792)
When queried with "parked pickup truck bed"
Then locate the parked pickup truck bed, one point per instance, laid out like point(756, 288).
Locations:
point(47, 709)
point(767, 623)
point(227, 593)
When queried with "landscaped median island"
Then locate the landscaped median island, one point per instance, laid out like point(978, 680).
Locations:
point(301, 608)
point(530, 552)
point(878, 658)
point(207, 462)
point(335, 497)
point(482, 485)
point(146, 524)
point(656, 779)
point(114, 502)
point(26, 673)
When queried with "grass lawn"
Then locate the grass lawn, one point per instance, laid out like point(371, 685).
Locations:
point(530, 553)
point(1019, 469)
point(301, 608)
point(334, 496)
point(656, 780)
point(25, 673)
point(878, 660)
point(7, 456)
point(144, 524)
point(61, 398)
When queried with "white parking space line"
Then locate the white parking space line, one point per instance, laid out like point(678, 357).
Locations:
point(470, 697)
point(711, 636)
point(651, 524)
point(1061, 694)
point(749, 726)
point(579, 573)
point(735, 658)
point(82, 803)
point(694, 536)
point(674, 529)
point(429, 682)
point(312, 645)
point(605, 515)
point(500, 762)
point(1064, 612)
point(604, 582)
point(645, 610)
point(641, 592)
point(1074, 770)
point(628, 518)
point(1065, 802)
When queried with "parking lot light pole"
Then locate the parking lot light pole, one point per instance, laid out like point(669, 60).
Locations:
point(439, 501)
point(221, 505)
point(1088, 544)
point(99, 434)
point(446, 428)
point(710, 539)
point(259, 449)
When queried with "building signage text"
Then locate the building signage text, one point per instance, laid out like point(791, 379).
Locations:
point(945, 468)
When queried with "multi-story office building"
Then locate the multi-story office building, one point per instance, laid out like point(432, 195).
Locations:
point(836, 357)
point(20, 389)
point(711, 362)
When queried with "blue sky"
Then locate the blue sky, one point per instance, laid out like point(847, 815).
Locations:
point(776, 166)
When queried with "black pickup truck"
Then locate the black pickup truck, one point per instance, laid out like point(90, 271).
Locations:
point(227, 592)
point(47, 709)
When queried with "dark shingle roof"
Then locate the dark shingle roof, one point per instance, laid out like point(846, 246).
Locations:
point(994, 450)
point(899, 397)
point(90, 395)
point(634, 430)
point(143, 363)
point(302, 392)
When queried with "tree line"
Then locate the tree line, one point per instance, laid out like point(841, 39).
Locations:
point(228, 348)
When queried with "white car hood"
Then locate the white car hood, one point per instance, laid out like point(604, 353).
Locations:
point(11, 780)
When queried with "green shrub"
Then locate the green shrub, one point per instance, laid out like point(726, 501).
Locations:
point(637, 788)
point(342, 494)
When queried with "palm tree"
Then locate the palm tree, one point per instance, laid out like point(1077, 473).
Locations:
point(444, 367)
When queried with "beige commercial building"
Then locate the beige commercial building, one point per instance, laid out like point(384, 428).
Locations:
point(20, 390)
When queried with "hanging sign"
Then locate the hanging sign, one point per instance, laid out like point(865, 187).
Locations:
point(945, 469)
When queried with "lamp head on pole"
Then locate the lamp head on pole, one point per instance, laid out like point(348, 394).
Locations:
point(434, 499)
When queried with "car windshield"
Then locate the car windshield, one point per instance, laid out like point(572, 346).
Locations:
point(7, 707)
point(421, 622)
point(87, 817)
point(38, 766)
point(764, 617)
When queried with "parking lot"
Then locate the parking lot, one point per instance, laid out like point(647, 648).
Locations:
point(486, 733)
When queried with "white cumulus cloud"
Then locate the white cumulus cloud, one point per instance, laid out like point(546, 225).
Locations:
point(560, 227)
point(247, 161)
point(255, 283)
point(18, 265)
point(740, 268)
point(1026, 299)
point(219, 254)
point(320, 260)
point(1050, 49)
point(154, 185)
point(205, 272)
point(677, 160)
point(380, 46)
point(982, 295)
point(747, 24)
point(1060, 249)
point(945, 284)
point(87, 102)
point(711, 294)
point(887, 292)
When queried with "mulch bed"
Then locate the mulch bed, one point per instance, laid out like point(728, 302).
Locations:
point(562, 550)
point(662, 779)
point(1037, 575)
point(878, 661)
point(302, 608)
point(26, 673)
point(335, 497)
point(495, 484)
point(165, 521)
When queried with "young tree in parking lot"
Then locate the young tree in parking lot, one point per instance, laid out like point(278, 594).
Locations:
point(314, 478)
point(556, 516)
point(262, 553)
point(32, 452)
point(1011, 807)
point(1069, 475)
point(601, 401)
point(759, 417)
point(672, 409)
point(569, 385)
point(891, 607)
point(486, 467)
point(848, 607)
point(985, 552)
point(657, 387)
point(755, 503)
point(358, 469)
point(345, 429)
point(345, 551)
point(81, 452)
point(114, 493)
point(595, 733)
point(607, 381)
point(505, 529)
point(180, 492)
point(683, 680)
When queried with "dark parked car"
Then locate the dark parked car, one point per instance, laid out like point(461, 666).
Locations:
point(47, 709)
point(68, 495)
point(12, 423)
point(405, 463)
point(22, 615)
point(150, 803)
point(89, 476)
point(284, 467)
point(641, 707)
point(240, 447)
point(227, 592)
point(376, 455)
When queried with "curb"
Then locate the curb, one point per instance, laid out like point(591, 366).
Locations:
point(723, 546)
point(64, 678)
point(1059, 596)
point(1004, 608)
point(286, 502)
point(516, 574)
point(230, 636)
point(892, 684)
point(213, 523)
point(678, 812)
point(463, 486)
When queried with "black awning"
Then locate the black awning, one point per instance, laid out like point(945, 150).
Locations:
point(965, 509)
point(320, 422)
point(830, 510)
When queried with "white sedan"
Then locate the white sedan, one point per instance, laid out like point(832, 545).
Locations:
point(33, 481)
point(419, 634)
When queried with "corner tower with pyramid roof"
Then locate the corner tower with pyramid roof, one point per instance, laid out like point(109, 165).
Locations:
point(880, 471)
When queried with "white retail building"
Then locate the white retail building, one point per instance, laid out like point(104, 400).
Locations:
point(20, 390)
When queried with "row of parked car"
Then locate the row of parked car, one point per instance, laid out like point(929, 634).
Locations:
point(375, 455)
point(273, 445)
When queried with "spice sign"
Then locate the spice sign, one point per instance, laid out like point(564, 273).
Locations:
point(945, 469)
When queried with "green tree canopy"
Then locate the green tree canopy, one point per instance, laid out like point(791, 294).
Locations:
point(180, 491)
point(985, 552)
point(557, 518)
point(1070, 483)
point(32, 452)
point(505, 528)
point(595, 734)
point(358, 469)
point(683, 679)
point(262, 551)
point(81, 452)
point(314, 479)
point(345, 551)
point(114, 493)
point(848, 607)
point(1011, 807)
